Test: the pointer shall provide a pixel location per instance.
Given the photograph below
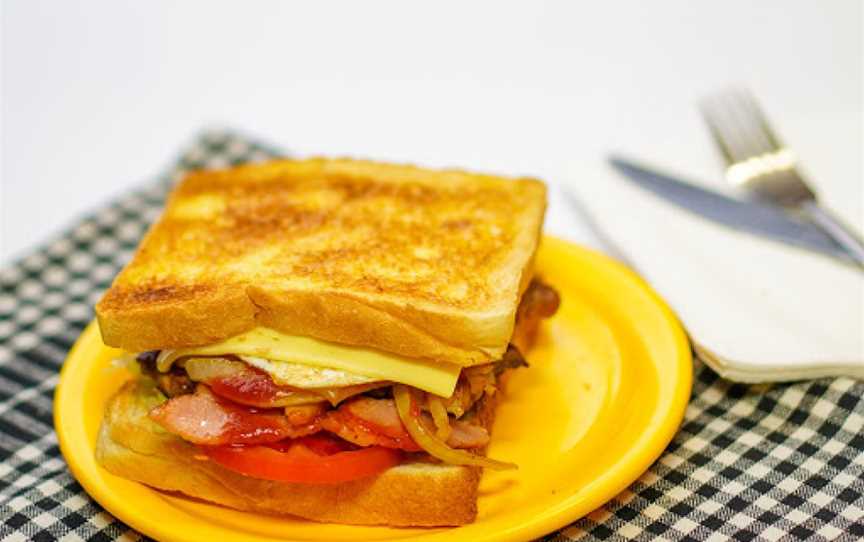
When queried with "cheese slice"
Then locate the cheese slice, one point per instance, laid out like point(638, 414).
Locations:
point(435, 377)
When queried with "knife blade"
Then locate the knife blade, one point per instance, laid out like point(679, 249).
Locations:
point(742, 215)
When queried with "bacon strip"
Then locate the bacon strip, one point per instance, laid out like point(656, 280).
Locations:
point(539, 300)
point(237, 381)
point(205, 419)
point(367, 422)
point(363, 433)
point(254, 387)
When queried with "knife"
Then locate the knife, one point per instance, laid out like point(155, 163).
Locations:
point(742, 215)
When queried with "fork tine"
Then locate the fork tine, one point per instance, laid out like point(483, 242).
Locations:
point(752, 122)
point(752, 139)
point(716, 131)
point(723, 118)
point(738, 126)
point(762, 121)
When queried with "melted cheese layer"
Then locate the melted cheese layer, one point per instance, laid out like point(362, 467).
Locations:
point(434, 377)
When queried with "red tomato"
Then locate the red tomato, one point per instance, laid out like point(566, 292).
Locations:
point(310, 460)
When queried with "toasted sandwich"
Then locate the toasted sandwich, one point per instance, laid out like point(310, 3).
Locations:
point(325, 338)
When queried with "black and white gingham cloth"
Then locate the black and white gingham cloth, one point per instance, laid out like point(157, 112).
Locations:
point(782, 462)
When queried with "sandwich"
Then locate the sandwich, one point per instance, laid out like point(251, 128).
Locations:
point(325, 338)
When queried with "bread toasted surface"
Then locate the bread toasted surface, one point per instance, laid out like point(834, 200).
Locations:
point(412, 494)
point(418, 262)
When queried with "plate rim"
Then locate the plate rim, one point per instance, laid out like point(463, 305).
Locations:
point(559, 516)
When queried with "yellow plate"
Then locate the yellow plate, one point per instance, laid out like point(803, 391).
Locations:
point(605, 393)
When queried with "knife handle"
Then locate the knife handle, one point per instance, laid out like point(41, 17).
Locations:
point(844, 235)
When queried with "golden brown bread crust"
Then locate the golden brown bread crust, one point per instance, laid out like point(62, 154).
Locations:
point(414, 494)
point(418, 262)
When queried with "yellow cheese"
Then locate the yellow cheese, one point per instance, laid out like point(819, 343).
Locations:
point(434, 377)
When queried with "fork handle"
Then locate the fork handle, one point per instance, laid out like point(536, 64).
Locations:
point(834, 227)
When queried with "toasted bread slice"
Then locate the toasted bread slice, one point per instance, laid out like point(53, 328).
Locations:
point(422, 263)
point(412, 494)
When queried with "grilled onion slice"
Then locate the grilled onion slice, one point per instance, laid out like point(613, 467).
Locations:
point(409, 413)
point(439, 415)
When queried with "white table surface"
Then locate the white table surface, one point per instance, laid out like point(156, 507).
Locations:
point(100, 95)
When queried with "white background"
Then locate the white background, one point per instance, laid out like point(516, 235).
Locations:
point(98, 96)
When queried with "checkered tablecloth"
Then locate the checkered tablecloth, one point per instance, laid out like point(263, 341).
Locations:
point(749, 463)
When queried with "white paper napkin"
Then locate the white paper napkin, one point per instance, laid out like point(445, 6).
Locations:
point(758, 311)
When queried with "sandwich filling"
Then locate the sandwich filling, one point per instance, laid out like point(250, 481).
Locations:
point(334, 413)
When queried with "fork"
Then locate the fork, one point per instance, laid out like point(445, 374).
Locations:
point(758, 161)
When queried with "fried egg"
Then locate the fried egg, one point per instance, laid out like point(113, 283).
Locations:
point(296, 375)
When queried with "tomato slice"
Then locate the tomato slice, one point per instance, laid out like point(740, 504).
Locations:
point(310, 460)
